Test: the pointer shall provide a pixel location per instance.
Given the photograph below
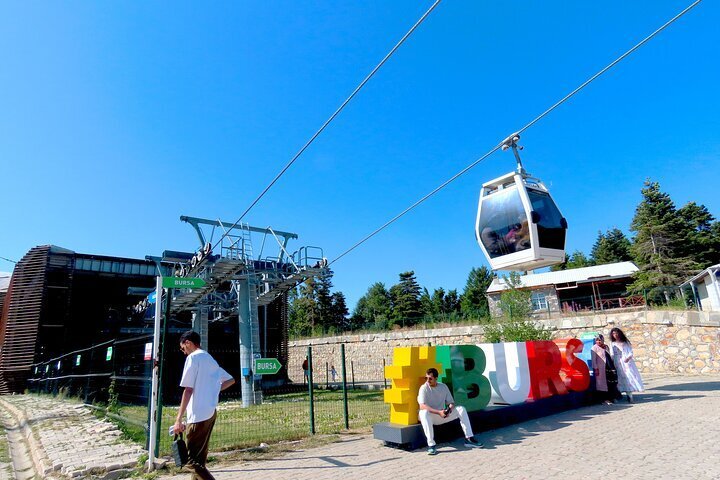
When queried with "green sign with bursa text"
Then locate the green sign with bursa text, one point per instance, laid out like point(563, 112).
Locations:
point(267, 366)
point(182, 282)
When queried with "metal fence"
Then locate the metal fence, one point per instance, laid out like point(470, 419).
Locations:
point(113, 377)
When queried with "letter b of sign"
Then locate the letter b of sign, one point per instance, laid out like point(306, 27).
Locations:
point(463, 367)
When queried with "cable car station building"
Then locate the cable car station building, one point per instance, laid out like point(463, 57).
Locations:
point(59, 301)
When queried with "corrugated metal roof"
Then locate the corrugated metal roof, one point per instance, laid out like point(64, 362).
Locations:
point(585, 274)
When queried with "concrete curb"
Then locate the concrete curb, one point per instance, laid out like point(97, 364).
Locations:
point(40, 462)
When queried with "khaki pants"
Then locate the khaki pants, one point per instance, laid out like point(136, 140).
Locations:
point(198, 441)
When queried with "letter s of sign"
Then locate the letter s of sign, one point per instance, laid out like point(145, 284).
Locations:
point(463, 366)
point(544, 362)
point(576, 372)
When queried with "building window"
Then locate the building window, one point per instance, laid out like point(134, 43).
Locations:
point(539, 301)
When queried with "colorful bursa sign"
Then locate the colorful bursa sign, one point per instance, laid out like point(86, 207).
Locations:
point(501, 373)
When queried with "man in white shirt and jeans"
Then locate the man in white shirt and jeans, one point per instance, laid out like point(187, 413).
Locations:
point(437, 406)
point(203, 380)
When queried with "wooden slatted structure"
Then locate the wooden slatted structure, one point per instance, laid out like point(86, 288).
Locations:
point(21, 317)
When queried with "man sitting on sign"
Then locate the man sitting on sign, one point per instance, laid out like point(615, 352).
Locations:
point(437, 406)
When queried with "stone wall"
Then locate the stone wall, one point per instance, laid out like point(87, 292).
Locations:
point(683, 342)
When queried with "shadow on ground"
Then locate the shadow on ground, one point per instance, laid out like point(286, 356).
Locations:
point(690, 387)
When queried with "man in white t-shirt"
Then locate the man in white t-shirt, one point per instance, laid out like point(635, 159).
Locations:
point(203, 380)
point(437, 406)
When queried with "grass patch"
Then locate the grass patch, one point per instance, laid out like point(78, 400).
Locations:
point(280, 418)
point(4, 448)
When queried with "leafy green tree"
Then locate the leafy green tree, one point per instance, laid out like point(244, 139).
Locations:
point(661, 235)
point(473, 302)
point(405, 296)
point(515, 325)
point(373, 309)
point(611, 247)
point(515, 302)
point(303, 309)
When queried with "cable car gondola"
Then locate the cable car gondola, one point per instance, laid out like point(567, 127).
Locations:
point(518, 225)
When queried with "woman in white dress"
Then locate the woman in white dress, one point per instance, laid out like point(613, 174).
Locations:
point(629, 379)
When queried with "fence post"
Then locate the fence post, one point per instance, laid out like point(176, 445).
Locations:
point(89, 370)
point(310, 390)
point(327, 373)
point(383, 374)
point(166, 321)
point(344, 387)
point(352, 373)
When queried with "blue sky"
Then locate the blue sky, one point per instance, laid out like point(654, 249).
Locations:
point(117, 118)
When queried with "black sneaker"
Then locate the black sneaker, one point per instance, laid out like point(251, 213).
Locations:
point(471, 442)
point(432, 451)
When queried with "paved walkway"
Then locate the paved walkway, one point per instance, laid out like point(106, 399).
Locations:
point(63, 439)
point(672, 432)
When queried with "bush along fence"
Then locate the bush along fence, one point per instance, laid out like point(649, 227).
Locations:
point(114, 378)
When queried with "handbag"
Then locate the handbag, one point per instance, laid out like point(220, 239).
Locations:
point(611, 375)
point(179, 450)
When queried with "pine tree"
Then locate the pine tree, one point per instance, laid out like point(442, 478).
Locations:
point(703, 241)
point(611, 247)
point(339, 312)
point(560, 266)
point(660, 248)
point(323, 285)
point(577, 260)
point(426, 303)
point(405, 296)
point(473, 302)
point(438, 302)
point(452, 303)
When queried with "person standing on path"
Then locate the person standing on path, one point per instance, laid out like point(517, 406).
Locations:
point(203, 380)
point(629, 379)
point(333, 373)
point(305, 368)
point(437, 406)
point(604, 371)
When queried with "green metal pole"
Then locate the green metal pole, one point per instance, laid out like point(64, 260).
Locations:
point(327, 376)
point(310, 391)
point(166, 321)
point(383, 374)
point(344, 387)
point(352, 373)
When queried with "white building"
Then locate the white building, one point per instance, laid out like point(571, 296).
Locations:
point(706, 288)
